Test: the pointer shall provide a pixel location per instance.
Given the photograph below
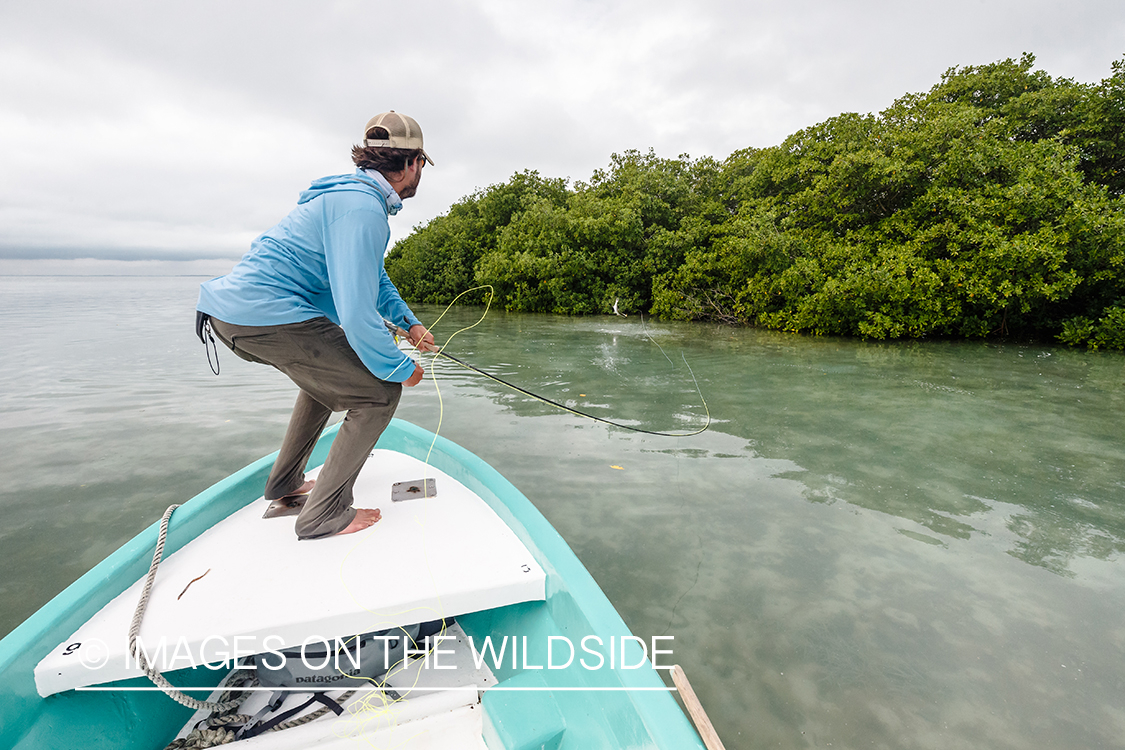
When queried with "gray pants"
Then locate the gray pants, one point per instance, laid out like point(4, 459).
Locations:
point(317, 357)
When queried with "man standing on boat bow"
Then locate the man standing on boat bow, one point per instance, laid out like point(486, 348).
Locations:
point(311, 298)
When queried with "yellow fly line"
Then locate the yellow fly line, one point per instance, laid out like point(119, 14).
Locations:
point(397, 331)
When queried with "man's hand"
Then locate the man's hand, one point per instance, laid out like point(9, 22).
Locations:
point(416, 378)
point(421, 338)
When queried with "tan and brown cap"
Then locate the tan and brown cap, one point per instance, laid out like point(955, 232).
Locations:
point(402, 132)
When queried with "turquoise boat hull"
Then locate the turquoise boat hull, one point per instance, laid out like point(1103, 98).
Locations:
point(630, 709)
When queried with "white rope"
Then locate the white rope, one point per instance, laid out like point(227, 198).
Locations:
point(134, 628)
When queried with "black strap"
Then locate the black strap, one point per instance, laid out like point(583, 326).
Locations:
point(207, 336)
point(284, 716)
point(272, 705)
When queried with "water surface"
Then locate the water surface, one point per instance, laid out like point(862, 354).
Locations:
point(913, 545)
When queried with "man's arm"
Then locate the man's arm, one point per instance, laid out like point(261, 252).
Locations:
point(353, 247)
point(392, 308)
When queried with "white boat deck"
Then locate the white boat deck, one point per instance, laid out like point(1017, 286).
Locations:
point(248, 585)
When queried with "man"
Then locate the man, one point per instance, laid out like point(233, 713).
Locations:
point(310, 298)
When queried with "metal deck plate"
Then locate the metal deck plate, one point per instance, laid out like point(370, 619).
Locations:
point(286, 506)
point(413, 490)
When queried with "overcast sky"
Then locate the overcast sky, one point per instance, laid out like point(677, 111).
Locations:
point(155, 130)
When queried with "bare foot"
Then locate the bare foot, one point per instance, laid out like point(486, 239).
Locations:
point(364, 518)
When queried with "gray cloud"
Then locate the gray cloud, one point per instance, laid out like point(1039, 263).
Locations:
point(138, 129)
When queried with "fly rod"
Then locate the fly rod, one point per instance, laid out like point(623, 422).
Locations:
point(439, 351)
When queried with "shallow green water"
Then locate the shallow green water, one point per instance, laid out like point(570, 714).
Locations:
point(875, 545)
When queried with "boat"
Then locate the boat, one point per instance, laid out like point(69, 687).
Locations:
point(491, 631)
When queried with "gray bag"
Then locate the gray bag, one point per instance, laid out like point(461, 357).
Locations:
point(344, 665)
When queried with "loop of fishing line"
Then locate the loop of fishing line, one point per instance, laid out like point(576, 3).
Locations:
point(442, 353)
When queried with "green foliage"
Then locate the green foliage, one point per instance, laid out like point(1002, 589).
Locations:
point(989, 206)
point(1099, 131)
point(1106, 333)
point(546, 248)
point(438, 262)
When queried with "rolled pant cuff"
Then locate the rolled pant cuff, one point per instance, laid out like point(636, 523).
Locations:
point(330, 527)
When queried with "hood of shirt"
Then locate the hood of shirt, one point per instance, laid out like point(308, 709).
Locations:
point(363, 181)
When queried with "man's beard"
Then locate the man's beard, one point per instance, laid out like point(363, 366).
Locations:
point(408, 191)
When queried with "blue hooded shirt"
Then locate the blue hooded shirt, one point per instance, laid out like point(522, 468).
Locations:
point(325, 259)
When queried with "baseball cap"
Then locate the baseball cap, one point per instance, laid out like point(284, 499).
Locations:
point(402, 132)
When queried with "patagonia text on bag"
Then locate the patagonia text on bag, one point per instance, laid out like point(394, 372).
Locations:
point(342, 662)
